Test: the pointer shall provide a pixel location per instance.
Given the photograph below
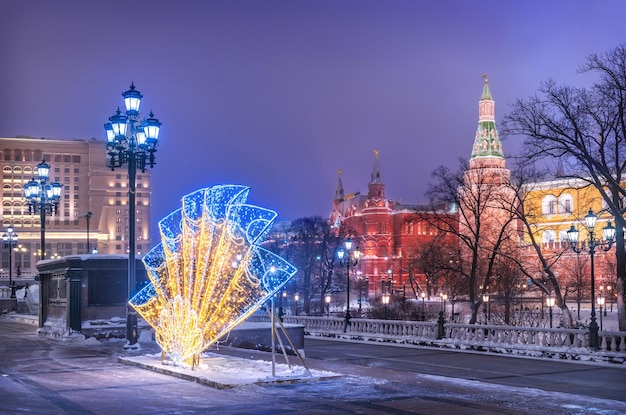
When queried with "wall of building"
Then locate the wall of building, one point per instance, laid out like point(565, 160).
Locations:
point(88, 186)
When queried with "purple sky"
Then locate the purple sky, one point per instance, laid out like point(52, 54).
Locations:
point(279, 95)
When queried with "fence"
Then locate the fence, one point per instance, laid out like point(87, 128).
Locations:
point(572, 344)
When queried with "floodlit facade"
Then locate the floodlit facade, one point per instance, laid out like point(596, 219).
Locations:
point(88, 186)
point(389, 234)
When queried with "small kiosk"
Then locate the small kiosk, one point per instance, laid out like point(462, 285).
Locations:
point(77, 290)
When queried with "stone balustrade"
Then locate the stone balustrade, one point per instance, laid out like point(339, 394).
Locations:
point(559, 343)
point(5, 292)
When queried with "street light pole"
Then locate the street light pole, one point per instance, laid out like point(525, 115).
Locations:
point(386, 296)
point(344, 257)
point(550, 300)
point(608, 234)
point(485, 302)
point(10, 240)
point(328, 298)
point(600, 300)
point(133, 143)
point(88, 217)
point(43, 198)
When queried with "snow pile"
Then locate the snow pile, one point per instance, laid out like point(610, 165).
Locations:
point(224, 372)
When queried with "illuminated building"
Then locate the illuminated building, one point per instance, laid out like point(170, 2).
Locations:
point(88, 186)
point(389, 234)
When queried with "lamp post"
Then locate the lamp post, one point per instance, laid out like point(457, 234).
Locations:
point(133, 143)
point(88, 217)
point(485, 303)
point(281, 309)
point(20, 263)
point(610, 294)
point(10, 241)
point(386, 296)
point(296, 298)
point(327, 298)
point(423, 306)
point(600, 301)
point(344, 257)
point(550, 300)
point(43, 197)
point(444, 297)
point(608, 234)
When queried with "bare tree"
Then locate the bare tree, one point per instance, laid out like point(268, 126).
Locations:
point(585, 128)
point(310, 240)
point(481, 232)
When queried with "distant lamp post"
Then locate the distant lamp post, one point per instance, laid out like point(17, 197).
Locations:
point(296, 298)
point(486, 305)
point(610, 294)
point(10, 241)
point(423, 306)
point(327, 299)
point(600, 300)
point(43, 198)
point(20, 250)
point(88, 217)
point(444, 297)
point(386, 297)
point(550, 300)
point(608, 235)
point(133, 143)
point(345, 258)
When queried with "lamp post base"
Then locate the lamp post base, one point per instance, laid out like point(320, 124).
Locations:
point(131, 331)
point(593, 334)
point(13, 290)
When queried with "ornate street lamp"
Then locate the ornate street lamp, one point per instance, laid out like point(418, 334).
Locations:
point(608, 235)
point(600, 300)
point(485, 303)
point(386, 297)
point(88, 216)
point(327, 298)
point(550, 300)
point(423, 306)
point(10, 241)
point(133, 143)
point(43, 198)
point(344, 258)
point(296, 298)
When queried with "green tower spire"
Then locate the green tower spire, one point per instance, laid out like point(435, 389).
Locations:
point(487, 142)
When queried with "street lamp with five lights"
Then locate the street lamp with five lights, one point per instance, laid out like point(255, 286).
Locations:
point(608, 235)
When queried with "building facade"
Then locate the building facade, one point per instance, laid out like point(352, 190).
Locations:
point(88, 186)
point(392, 236)
point(389, 234)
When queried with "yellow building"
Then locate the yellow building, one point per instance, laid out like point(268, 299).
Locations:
point(88, 186)
point(554, 206)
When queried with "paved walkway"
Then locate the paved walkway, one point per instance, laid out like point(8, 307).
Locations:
point(44, 376)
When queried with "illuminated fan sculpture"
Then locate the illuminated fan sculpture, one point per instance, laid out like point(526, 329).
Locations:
point(209, 273)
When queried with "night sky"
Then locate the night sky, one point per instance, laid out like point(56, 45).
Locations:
point(279, 95)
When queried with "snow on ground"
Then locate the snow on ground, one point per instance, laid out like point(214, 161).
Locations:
point(228, 372)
